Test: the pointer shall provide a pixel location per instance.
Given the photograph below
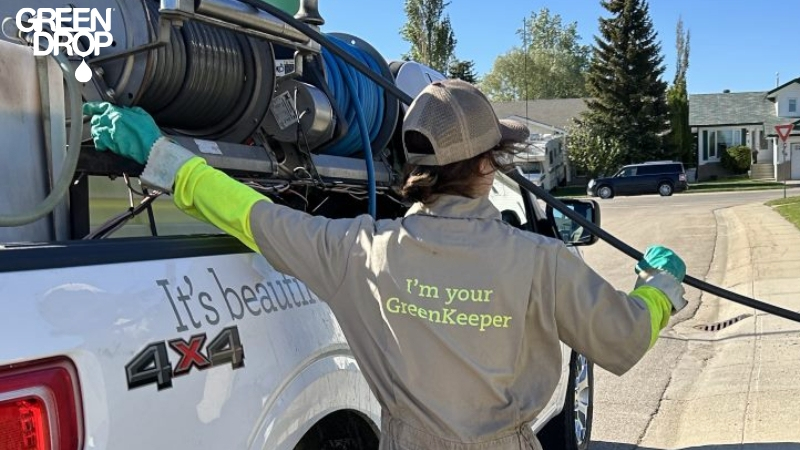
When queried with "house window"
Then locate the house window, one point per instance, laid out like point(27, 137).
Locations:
point(725, 139)
point(712, 145)
point(704, 145)
point(793, 105)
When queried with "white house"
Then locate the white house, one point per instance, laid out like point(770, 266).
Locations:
point(719, 121)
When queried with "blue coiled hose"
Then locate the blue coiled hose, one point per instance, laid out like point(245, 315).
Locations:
point(360, 100)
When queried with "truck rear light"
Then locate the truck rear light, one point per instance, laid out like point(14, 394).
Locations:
point(40, 406)
point(682, 177)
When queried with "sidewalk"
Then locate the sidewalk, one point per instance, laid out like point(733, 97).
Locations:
point(739, 385)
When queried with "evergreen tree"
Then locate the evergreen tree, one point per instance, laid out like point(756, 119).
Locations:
point(464, 70)
point(428, 30)
point(678, 101)
point(628, 98)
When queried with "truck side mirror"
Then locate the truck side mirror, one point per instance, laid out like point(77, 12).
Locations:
point(570, 231)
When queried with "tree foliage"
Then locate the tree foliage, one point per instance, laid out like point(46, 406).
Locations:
point(428, 30)
point(678, 101)
point(627, 105)
point(551, 63)
point(464, 70)
point(737, 159)
point(589, 150)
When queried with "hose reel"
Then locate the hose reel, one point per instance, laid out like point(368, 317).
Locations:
point(206, 82)
point(206, 71)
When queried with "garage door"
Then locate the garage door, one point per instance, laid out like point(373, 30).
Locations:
point(796, 161)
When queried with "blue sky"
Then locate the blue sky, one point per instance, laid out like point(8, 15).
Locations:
point(735, 44)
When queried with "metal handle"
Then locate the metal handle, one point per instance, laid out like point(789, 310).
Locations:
point(309, 13)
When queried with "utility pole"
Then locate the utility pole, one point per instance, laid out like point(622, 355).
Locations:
point(525, 61)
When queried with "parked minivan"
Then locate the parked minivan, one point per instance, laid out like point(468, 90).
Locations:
point(661, 177)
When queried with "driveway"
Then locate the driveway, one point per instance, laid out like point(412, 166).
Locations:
point(699, 389)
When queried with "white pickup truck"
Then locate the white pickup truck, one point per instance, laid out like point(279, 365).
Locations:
point(147, 329)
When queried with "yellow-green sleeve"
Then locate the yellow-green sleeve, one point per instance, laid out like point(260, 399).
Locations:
point(659, 306)
point(610, 327)
point(221, 201)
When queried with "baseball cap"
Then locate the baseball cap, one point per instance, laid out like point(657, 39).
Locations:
point(458, 123)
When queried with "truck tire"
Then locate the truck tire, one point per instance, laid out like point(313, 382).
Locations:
point(605, 191)
point(665, 189)
point(340, 431)
point(572, 428)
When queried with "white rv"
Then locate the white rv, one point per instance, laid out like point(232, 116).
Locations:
point(543, 161)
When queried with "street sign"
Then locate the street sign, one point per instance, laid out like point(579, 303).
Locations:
point(784, 131)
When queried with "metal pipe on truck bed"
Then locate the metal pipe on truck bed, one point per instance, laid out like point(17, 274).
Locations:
point(246, 16)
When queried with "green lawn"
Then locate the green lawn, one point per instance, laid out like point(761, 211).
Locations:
point(736, 183)
point(788, 208)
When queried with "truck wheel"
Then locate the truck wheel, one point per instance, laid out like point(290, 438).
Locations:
point(605, 192)
point(665, 189)
point(340, 431)
point(572, 428)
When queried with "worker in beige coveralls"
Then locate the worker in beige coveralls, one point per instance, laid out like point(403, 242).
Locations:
point(469, 361)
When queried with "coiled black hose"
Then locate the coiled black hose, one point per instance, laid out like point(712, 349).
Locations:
point(198, 79)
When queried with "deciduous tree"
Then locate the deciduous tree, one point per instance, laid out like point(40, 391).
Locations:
point(551, 63)
point(678, 101)
point(430, 33)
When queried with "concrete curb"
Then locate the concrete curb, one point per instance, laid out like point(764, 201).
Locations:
point(737, 385)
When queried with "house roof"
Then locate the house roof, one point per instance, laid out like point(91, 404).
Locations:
point(771, 94)
point(730, 109)
point(555, 112)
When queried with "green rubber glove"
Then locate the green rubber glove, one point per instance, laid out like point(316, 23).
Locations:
point(128, 132)
point(661, 258)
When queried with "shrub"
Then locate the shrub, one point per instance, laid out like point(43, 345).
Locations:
point(737, 159)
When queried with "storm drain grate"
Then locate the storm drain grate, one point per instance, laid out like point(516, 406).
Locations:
point(721, 325)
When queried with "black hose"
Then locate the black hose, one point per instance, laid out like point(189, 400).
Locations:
point(516, 176)
point(198, 80)
point(637, 255)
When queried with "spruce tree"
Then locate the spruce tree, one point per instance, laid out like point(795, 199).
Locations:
point(463, 70)
point(628, 98)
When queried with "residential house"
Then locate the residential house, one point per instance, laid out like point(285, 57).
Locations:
point(727, 119)
point(550, 116)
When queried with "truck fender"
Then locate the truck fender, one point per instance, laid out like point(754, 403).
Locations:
point(309, 394)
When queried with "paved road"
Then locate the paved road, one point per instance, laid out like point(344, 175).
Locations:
point(629, 410)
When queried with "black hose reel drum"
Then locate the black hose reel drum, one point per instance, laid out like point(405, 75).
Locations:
point(207, 82)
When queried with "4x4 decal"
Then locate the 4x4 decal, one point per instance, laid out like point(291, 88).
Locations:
point(152, 364)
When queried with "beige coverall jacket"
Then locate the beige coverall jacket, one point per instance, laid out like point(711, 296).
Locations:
point(454, 316)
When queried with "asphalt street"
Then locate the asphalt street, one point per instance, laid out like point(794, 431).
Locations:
point(676, 398)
